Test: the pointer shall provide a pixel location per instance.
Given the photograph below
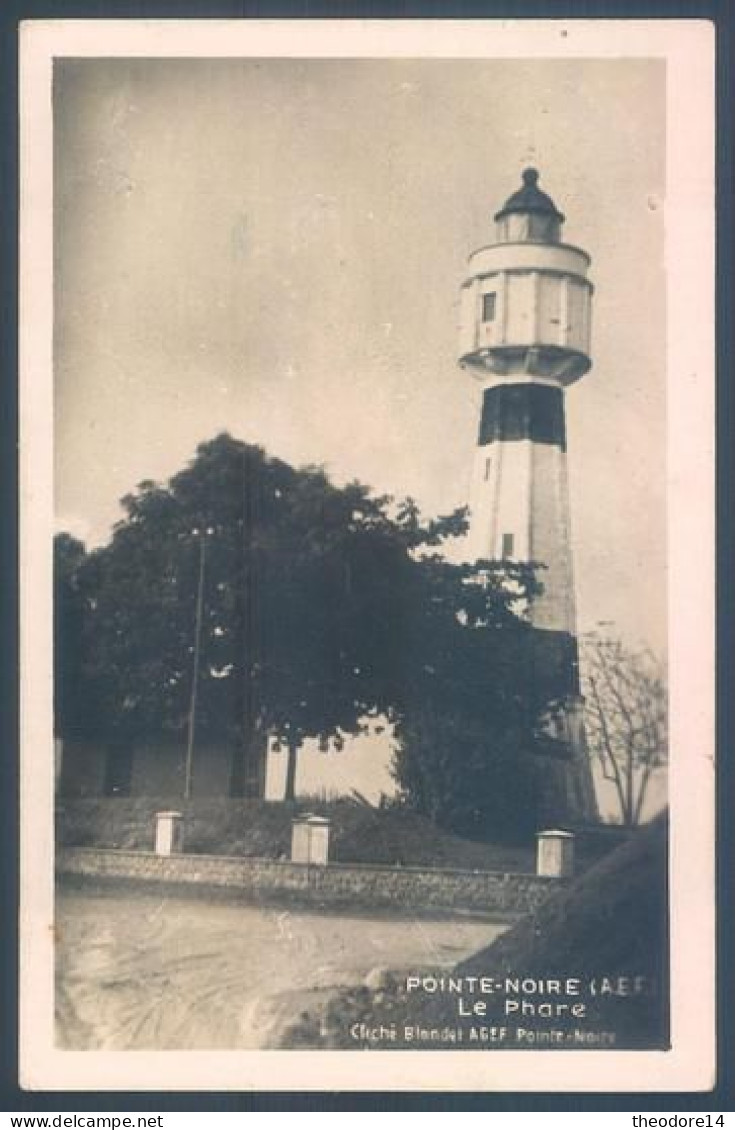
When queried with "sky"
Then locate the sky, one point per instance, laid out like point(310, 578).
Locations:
point(274, 247)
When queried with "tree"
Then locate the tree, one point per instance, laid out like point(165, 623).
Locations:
point(471, 737)
point(247, 600)
point(626, 719)
point(305, 589)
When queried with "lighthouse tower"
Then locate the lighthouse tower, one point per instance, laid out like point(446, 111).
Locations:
point(525, 336)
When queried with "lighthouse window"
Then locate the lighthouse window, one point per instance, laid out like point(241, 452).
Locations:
point(488, 468)
point(488, 307)
point(507, 546)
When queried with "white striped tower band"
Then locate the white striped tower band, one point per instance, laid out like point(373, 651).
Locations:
point(525, 336)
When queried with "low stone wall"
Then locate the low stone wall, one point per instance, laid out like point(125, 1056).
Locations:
point(335, 885)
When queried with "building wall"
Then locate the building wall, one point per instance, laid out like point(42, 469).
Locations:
point(157, 769)
point(336, 884)
point(82, 768)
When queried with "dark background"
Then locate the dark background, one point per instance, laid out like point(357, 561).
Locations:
point(13, 11)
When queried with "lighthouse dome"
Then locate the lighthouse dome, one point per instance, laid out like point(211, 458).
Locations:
point(530, 198)
point(529, 214)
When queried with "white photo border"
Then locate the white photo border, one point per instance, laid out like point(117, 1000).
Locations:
point(687, 46)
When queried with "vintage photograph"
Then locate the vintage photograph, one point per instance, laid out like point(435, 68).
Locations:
point(360, 552)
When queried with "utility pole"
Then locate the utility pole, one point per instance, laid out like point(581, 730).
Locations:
point(189, 765)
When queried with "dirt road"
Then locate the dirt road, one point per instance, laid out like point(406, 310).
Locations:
point(145, 971)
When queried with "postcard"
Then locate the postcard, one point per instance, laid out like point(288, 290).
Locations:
point(367, 542)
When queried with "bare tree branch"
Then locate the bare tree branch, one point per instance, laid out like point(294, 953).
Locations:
point(626, 718)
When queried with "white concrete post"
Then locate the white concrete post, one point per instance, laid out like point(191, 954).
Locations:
point(300, 840)
point(168, 833)
point(555, 853)
point(310, 839)
point(319, 841)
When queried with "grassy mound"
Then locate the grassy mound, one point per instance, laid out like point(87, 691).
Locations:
point(612, 920)
point(608, 930)
point(359, 834)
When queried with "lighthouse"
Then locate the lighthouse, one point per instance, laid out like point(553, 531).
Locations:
point(525, 337)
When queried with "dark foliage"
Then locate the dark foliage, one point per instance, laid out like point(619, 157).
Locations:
point(322, 608)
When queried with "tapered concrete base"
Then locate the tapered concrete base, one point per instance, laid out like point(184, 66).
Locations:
point(565, 792)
